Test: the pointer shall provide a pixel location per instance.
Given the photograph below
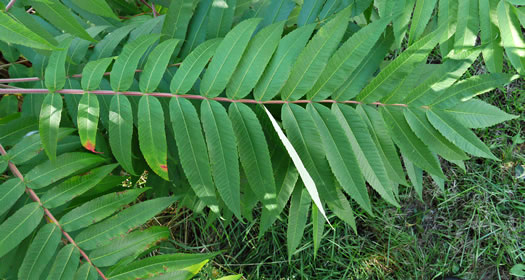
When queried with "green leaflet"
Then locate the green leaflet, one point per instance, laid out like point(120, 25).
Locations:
point(156, 65)
point(97, 7)
point(10, 191)
point(11, 132)
point(469, 88)
point(157, 265)
point(355, 82)
point(410, 146)
point(65, 264)
point(468, 24)
point(86, 272)
point(75, 186)
point(341, 159)
point(254, 154)
point(93, 72)
point(55, 76)
point(106, 46)
point(98, 209)
point(192, 66)
point(309, 11)
point(458, 134)
point(402, 13)
point(415, 174)
point(50, 116)
point(49, 172)
point(318, 223)
point(176, 21)
point(417, 120)
point(488, 23)
point(14, 32)
point(254, 61)
point(443, 77)
point(511, 35)
point(197, 27)
point(87, 120)
point(8, 105)
point(18, 226)
point(40, 252)
point(30, 146)
point(101, 233)
point(121, 131)
point(286, 181)
point(152, 135)
point(192, 150)
point(227, 57)
point(390, 76)
point(297, 217)
point(278, 70)
point(231, 277)
point(304, 138)
point(422, 13)
point(220, 18)
point(123, 71)
point(447, 14)
point(223, 153)
point(342, 209)
point(367, 154)
point(131, 244)
point(314, 57)
point(346, 59)
point(476, 113)
point(60, 16)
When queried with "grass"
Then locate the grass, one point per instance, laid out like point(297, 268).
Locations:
point(473, 230)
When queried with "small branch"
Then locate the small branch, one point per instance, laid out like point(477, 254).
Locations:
point(187, 96)
point(50, 216)
point(33, 79)
point(152, 7)
point(9, 5)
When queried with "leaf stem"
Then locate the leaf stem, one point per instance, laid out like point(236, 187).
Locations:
point(9, 5)
point(50, 216)
point(187, 96)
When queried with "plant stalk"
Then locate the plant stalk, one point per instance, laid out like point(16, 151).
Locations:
point(49, 215)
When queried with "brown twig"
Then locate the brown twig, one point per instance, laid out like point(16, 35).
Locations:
point(50, 216)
